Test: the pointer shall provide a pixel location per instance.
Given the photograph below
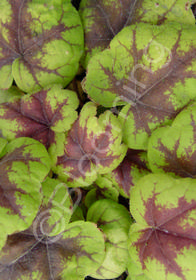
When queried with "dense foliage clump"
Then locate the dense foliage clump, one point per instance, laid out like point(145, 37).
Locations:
point(98, 140)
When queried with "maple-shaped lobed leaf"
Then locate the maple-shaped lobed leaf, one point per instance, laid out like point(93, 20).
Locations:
point(172, 149)
point(40, 42)
point(78, 251)
point(102, 20)
point(162, 242)
point(114, 220)
point(91, 147)
point(24, 164)
point(39, 115)
point(151, 70)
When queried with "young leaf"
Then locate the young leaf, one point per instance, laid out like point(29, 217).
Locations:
point(162, 242)
point(92, 146)
point(172, 149)
point(102, 188)
point(114, 220)
point(39, 115)
point(78, 215)
point(155, 77)
point(23, 166)
point(102, 20)
point(10, 94)
point(77, 252)
point(40, 42)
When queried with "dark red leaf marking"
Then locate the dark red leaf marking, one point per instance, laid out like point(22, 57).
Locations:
point(24, 43)
point(82, 149)
point(36, 117)
point(8, 188)
point(108, 20)
point(123, 172)
point(140, 12)
point(185, 165)
point(151, 104)
point(25, 255)
point(166, 237)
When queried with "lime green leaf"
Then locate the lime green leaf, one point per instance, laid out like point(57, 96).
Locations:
point(74, 254)
point(162, 242)
point(130, 170)
point(152, 76)
point(102, 188)
point(56, 209)
point(10, 94)
point(92, 146)
point(77, 215)
point(114, 220)
point(102, 20)
point(24, 165)
point(39, 115)
point(135, 273)
point(159, 12)
point(3, 143)
point(40, 42)
point(172, 149)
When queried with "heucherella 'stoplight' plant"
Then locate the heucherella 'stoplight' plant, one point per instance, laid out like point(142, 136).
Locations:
point(92, 146)
point(102, 20)
point(53, 248)
point(24, 164)
point(149, 69)
point(129, 171)
point(135, 273)
point(162, 241)
point(78, 251)
point(65, 166)
point(55, 210)
point(39, 115)
point(41, 42)
point(114, 220)
point(7, 94)
point(102, 188)
point(171, 149)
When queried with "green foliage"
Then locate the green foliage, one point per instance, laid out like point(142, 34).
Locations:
point(40, 115)
point(41, 41)
point(114, 220)
point(24, 164)
point(97, 162)
point(162, 241)
point(102, 20)
point(91, 147)
point(151, 76)
point(79, 250)
point(172, 149)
